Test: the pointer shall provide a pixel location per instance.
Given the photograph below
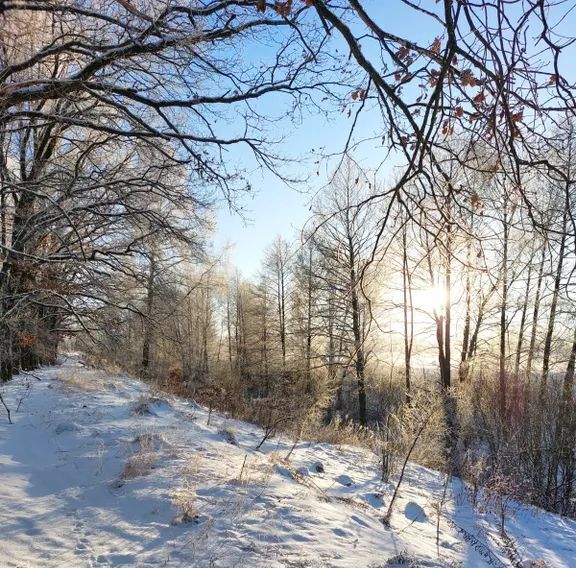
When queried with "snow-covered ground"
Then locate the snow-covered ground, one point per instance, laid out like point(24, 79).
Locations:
point(95, 471)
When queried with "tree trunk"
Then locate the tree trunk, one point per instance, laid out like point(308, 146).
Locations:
point(448, 313)
point(535, 314)
point(357, 332)
point(553, 308)
point(463, 368)
point(148, 331)
point(309, 318)
point(523, 319)
point(281, 300)
point(568, 422)
point(229, 328)
point(408, 315)
point(502, 378)
point(12, 281)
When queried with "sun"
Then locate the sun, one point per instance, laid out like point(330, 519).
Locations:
point(433, 299)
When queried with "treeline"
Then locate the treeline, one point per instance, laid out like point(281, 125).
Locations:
point(112, 133)
point(463, 304)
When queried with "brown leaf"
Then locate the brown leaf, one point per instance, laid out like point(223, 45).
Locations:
point(403, 53)
point(467, 79)
point(480, 97)
point(517, 116)
point(283, 8)
point(475, 199)
point(128, 6)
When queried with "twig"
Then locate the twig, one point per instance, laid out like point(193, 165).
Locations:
point(31, 375)
point(440, 507)
point(26, 393)
point(388, 515)
point(7, 409)
point(242, 468)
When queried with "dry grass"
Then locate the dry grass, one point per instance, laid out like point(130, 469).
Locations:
point(151, 441)
point(138, 465)
point(229, 435)
point(143, 460)
point(84, 380)
point(184, 499)
point(338, 434)
point(99, 456)
point(143, 406)
point(193, 464)
point(103, 363)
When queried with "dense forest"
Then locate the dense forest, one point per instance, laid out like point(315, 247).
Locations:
point(425, 309)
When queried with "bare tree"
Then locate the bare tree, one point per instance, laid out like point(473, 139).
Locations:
point(344, 240)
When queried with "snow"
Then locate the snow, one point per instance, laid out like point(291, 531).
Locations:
point(98, 471)
point(414, 512)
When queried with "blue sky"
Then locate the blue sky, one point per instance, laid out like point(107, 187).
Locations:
point(274, 208)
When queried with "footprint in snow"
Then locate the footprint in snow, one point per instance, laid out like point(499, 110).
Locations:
point(413, 512)
point(359, 521)
point(373, 499)
point(84, 549)
point(344, 480)
point(116, 560)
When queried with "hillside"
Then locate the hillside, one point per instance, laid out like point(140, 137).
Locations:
point(98, 471)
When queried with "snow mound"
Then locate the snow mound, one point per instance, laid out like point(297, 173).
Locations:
point(64, 427)
point(151, 441)
point(151, 407)
point(303, 471)
point(229, 436)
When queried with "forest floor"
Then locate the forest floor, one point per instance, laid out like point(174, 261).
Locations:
point(97, 470)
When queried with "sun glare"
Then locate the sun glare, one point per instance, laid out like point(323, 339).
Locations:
point(433, 298)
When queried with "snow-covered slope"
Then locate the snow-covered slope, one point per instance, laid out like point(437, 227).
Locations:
point(95, 471)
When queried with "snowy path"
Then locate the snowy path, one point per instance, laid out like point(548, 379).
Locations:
point(87, 481)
